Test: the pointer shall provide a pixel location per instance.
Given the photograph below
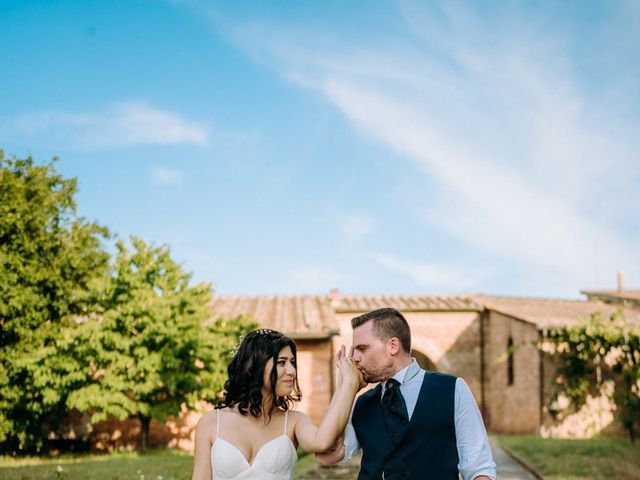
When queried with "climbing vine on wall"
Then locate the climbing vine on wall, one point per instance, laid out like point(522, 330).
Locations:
point(595, 351)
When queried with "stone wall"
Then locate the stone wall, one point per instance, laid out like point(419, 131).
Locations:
point(316, 377)
point(451, 340)
point(114, 434)
point(512, 408)
point(596, 417)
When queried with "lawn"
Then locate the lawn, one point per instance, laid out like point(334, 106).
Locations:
point(593, 459)
point(154, 465)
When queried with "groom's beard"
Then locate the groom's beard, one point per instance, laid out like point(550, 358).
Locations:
point(379, 375)
point(367, 378)
point(373, 379)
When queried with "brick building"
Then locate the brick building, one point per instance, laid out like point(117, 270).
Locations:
point(465, 335)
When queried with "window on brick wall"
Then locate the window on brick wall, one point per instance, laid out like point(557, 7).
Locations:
point(510, 361)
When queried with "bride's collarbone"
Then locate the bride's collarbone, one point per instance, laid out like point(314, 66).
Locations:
point(251, 433)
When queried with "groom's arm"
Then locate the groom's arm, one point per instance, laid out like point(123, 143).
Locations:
point(474, 452)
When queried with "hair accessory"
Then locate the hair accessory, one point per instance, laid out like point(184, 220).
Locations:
point(260, 331)
point(234, 350)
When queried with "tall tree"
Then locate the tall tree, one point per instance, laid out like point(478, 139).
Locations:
point(151, 350)
point(51, 265)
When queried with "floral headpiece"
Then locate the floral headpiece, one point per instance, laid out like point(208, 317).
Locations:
point(260, 331)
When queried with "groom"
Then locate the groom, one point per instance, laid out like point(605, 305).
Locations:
point(414, 424)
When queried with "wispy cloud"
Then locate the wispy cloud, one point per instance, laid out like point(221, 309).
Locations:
point(119, 125)
point(522, 146)
point(440, 277)
point(167, 176)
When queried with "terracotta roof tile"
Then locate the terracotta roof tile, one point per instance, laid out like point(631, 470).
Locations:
point(406, 303)
point(309, 316)
point(622, 295)
point(296, 316)
point(547, 313)
point(630, 298)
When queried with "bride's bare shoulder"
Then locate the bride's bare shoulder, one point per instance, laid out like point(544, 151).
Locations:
point(298, 416)
point(208, 419)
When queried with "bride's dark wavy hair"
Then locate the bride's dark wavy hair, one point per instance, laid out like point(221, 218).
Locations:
point(243, 388)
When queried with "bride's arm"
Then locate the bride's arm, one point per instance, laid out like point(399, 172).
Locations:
point(319, 439)
point(334, 454)
point(202, 457)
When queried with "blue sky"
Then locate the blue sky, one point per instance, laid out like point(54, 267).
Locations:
point(375, 147)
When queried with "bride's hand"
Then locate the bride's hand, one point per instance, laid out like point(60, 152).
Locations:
point(339, 356)
point(348, 372)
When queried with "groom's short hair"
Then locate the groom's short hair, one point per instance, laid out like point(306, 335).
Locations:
point(387, 323)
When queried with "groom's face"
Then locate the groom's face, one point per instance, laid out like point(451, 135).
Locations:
point(371, 354)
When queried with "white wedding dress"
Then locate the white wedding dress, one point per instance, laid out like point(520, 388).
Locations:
point(275, 460)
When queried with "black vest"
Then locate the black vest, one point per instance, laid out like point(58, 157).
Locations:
point(426, 451)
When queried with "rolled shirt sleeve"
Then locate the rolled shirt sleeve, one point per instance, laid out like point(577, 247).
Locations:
point(474, 452)
point(351, 444)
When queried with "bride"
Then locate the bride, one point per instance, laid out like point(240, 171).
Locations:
point(253, 432)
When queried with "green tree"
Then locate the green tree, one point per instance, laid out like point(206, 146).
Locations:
point(151, 350)
point(52, 264)
point(597, 350)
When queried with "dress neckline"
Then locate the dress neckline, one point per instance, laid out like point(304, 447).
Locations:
point(253, 460)
point(250, 463)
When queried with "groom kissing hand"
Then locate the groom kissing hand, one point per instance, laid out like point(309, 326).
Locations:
point(414, 424)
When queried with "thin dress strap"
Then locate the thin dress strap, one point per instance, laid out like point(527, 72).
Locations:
point(286, 416)
point(218, 423)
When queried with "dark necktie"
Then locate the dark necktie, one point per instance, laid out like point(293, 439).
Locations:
point(394, 410)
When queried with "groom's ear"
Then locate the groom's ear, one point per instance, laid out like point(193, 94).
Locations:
point(393, 346)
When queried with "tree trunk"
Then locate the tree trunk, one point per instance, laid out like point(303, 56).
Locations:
point(145, 421)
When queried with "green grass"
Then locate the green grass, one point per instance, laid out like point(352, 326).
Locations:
point(165, 464)
point(593, 459)
point(305, 463)
point(154, 465)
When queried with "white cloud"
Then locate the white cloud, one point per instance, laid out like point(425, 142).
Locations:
point(167, 176)
point(442, 277)
point(139, 123)
point(495, 207)
point(493, 111)
point(123, 124)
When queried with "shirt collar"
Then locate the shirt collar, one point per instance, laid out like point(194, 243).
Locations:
point(406, 374)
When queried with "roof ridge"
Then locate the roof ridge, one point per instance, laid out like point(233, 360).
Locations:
point(520, 297)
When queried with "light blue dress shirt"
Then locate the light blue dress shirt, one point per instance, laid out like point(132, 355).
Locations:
point(474, 452)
